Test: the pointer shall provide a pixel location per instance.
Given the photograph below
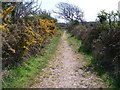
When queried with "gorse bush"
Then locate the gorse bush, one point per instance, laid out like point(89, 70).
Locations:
point(25, 37)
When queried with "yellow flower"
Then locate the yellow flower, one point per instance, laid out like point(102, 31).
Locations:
point(8, 10)
point(33, 42)
point(48, 31)
point(13, 50)
point(25, 48)
point(4, 27)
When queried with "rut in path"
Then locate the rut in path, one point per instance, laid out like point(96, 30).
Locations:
point(66, 70)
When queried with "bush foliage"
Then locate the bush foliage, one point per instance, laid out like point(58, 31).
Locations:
point(25, 37)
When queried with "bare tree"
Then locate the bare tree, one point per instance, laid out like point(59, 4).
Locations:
point(25, 9)
point(28, 8)
point(69, 12)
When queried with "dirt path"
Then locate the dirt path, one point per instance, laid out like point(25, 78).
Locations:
point(66, 70)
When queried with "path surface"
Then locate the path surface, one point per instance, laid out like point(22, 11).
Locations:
point(66, 70)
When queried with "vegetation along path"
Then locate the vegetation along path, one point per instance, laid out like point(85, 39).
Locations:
point(66, 70)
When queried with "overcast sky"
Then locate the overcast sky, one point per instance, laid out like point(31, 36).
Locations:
point(90, 7)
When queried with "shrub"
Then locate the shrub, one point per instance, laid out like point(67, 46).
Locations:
point(24, 38)
point(107, 51)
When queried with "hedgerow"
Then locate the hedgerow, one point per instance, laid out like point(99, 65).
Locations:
point(25, 37)
point(102, 39)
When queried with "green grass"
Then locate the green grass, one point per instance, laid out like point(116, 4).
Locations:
point(77, 46)
point(24, 76)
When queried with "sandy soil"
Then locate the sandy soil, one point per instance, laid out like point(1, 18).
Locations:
point(67, 70)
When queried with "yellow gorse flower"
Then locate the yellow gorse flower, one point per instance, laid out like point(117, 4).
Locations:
point(8, 10)
point(11, 49)
point(4, 27)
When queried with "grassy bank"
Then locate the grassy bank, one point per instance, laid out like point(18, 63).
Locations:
point(77, 46)
point(24, 76)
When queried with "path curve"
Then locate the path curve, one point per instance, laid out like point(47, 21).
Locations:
point(66, 70)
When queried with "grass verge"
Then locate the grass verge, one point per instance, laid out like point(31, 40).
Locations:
point(23, 77)
point(77, 46)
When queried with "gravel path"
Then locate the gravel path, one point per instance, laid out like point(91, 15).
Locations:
point(67, 70)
